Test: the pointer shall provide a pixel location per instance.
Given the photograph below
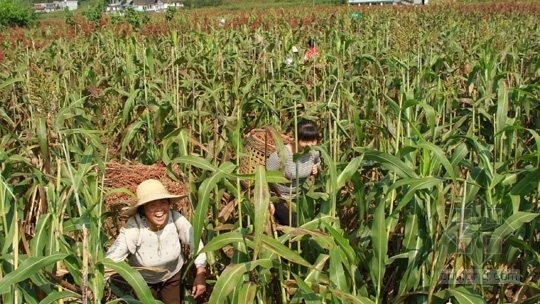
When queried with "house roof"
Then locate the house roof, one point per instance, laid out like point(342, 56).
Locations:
point(143, 2)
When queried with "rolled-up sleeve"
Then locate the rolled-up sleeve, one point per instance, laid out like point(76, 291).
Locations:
point(119, 249)
point(200, 260)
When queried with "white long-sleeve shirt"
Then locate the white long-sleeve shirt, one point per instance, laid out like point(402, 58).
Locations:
point(292, 169)
point(160, 252)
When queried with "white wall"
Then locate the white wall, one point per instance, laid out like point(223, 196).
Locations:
point(71, 5)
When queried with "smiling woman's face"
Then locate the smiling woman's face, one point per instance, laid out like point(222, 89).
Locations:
point(157, 213)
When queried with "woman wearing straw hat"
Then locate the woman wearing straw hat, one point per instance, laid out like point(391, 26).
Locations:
point(151, 239)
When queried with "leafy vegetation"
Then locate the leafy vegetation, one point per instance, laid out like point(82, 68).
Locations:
point(96, 12)
point(16, 13)
point(429, 115)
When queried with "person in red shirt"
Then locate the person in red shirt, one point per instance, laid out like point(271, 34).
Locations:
point(312, 51)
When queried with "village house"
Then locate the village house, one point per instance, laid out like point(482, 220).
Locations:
point(56, 6)
point(155, 5)
point(69, 4)
point(115, 8)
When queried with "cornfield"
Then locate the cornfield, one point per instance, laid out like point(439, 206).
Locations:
point(429, 116)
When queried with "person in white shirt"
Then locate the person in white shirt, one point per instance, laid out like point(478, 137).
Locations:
point(152, 239)
point(295, 168)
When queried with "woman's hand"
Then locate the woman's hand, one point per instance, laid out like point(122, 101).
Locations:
point(314, 170)
point(199, 284)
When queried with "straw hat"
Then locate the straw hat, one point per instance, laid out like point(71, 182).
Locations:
point(151, 190)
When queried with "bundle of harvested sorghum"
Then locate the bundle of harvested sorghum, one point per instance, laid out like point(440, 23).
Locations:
point(129, 176)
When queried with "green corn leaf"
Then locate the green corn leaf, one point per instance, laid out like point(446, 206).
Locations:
point(343, 243)
point(10, 231)
point(56, 296)
point(430, 113)
point(271, 176)
point(40, 241)
point(411, 240)
point(231, 278)
point(296, 233)
point(413, 244)
point(261, 201)
point(390, 163)
point(9, 82)
point(41, 132)
point(67, 113)
point(274, 246)
point(205, 192)
point(392, 259)
point(528, 183)
point(485, 159)
point(459, 154)
point(196, 161)
point(247, 293)
point(511, 224)
point(462, 295)
point(27, 268)
point(221, 240)
point(42, 279)
point(150, 62)
point(134, 278)
point(183, 140)
point(246, 87)
point(305, 294)
point(345, 297)
point(415, 185)
point(337, 273)
point(347, 173)
point(379, 241)
point(27, 297)
point(502, 111)
point(440, 155)
point(133, 130)
point(314, 275)
point(316, 222)
point(331, 183)
point(129, 106)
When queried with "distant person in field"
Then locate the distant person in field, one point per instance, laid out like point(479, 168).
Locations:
point(312, 52)
point(152, 237)
point(297, 163)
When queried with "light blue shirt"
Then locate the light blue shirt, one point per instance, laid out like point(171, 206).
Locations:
point(295, 171)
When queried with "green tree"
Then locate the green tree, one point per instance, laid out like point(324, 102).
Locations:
point(170, 13)
point(202, 3)
point(135, 18)
point(96, 12)
point(16, 13)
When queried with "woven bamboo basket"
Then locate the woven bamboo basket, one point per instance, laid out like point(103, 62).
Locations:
point(258, 145)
